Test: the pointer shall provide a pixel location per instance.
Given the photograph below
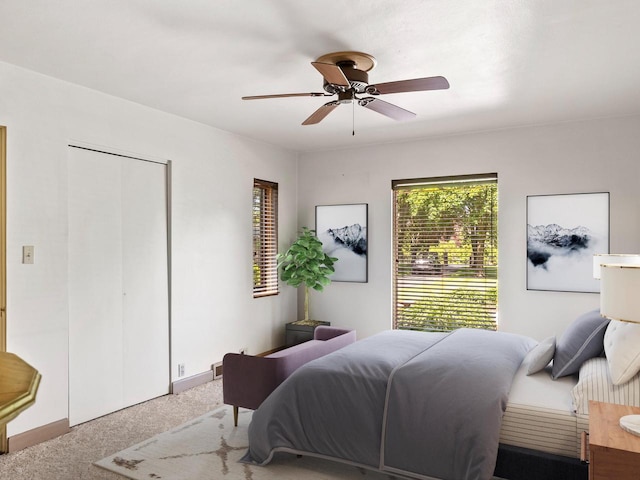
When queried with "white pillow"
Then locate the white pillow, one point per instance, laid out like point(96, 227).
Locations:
point(622, 348)
point(540, 355)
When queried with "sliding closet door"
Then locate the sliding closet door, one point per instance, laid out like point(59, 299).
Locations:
point(145, 316)
point(95, 286)
point(118, 283)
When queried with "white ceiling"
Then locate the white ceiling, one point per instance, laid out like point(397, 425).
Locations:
point(509, 62)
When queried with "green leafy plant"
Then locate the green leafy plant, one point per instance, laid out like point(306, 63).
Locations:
point(304, 263)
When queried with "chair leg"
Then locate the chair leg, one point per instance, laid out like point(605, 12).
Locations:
point(235, 415)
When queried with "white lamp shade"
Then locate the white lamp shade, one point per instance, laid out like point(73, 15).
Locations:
point(620, 292)
point(621, 258)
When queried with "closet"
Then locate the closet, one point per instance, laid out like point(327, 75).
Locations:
point(118, 276)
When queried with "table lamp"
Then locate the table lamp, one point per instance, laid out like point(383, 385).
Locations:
point(620, 300)
point(620, 258)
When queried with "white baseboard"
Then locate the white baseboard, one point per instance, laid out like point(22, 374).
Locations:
point(38, 435)
point(192, 381)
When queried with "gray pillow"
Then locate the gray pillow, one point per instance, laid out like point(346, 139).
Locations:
point(540, 356)
point(583, 339)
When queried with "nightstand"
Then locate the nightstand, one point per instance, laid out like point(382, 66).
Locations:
point(613, 453)
point(301, 331)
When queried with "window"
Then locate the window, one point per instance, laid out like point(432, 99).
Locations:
point(265, 238)
point(445, 246)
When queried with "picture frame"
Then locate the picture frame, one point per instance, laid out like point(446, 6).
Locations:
point(342, 229)
point(564, 231)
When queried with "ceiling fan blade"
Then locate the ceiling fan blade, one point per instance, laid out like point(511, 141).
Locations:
point(285, 95)
point(319, 114)
point(386, 108)
point(415, 85)
point(332, 73)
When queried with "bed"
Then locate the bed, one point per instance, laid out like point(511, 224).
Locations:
point(539, 414)
point(530, 429)
point(368, 403)
point(541, 435)
point(548, 412)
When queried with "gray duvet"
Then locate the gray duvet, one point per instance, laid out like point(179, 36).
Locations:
point(423, 405)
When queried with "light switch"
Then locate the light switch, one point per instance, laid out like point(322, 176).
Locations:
point(27, 254)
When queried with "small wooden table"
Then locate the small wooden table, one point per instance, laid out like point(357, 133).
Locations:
point(19, 383)
point(613, 453)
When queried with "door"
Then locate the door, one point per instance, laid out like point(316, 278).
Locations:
point(3, 265)
point(118, 283)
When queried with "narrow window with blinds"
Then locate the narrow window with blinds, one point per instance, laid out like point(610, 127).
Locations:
point(265, 238)
point(445, 246)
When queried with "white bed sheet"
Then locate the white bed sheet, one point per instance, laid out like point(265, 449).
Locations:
point(539, 414)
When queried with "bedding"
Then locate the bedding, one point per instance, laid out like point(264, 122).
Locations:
point(621, 341)
point(418, 404)
point(539, 414)
point(549, 416)
point(595, 383)
point(583, 339)
point(540, 356)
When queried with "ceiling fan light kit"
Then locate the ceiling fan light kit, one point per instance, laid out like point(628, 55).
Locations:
point(346, 75)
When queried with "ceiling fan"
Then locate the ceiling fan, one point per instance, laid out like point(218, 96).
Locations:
point(345, 74)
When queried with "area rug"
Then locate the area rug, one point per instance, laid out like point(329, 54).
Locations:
point(209, 447)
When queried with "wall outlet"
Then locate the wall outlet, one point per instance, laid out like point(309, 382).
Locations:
point(217, 370)
point(180, 370)
point(243, 350)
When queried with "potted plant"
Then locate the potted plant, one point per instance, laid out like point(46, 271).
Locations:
point(304, 263)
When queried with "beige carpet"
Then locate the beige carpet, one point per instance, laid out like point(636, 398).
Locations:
point(209, 447)
point(71, 456)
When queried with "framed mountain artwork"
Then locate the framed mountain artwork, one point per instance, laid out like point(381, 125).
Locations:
point(563, 233)
point(342, 229)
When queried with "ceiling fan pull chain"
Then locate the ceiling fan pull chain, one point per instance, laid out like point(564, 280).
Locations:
point(353, 115)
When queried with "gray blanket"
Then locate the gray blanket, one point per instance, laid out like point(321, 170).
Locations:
point(424, 405)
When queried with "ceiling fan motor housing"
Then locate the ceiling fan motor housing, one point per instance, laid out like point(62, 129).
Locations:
point(358, 79)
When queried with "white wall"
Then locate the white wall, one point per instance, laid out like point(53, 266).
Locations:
point(213, 311)
point(590, 156)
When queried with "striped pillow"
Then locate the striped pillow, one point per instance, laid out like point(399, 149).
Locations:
point(595, 383)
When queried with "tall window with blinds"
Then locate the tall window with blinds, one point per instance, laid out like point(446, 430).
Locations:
point(265, 238)
point(445, 246)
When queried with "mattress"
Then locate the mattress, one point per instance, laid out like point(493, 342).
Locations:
point(539, 415)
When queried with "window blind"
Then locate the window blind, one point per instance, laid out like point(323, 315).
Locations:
point(445, 248)
point(265, 238)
